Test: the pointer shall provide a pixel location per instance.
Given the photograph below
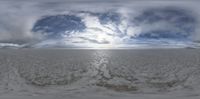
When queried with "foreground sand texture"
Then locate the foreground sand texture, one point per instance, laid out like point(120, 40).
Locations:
point(101, 74)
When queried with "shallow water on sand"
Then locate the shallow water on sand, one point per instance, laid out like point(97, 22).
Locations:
point(152, 71)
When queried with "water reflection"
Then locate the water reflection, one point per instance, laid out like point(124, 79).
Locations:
point(99, 66)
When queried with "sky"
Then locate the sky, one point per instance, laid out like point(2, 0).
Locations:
point(99, 23)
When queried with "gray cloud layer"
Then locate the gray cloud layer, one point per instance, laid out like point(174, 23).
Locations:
point(17, 17)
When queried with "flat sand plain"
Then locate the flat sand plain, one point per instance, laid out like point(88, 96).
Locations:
point(106, 73)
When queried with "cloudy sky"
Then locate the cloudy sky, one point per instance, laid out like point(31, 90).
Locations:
point(99, 23)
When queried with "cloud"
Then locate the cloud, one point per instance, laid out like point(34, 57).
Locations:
point(106, 21)
point(167, 23)
point(55, 26)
